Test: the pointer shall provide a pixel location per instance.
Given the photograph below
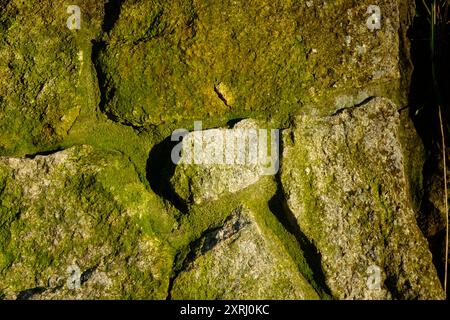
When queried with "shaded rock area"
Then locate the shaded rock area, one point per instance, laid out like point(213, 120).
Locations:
point(92, 206)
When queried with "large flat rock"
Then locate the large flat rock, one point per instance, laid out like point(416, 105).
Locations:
point(344, 180)
point(166, 62)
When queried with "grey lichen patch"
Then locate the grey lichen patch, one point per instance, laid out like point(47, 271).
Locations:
point(85, 208)
point(344, 179)
point(236, 262)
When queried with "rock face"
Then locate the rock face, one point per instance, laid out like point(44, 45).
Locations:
point(350, 58)
point(92, 206)
point(194, 60)
point(42, 84)
point(78, 209)
point(219, 161)
point(236, 262)
point(344, 180)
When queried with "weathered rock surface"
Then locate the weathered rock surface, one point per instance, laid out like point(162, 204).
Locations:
point(344, 180)
point(137, 70)
point(42, 87)
point(235, 261)
point(215, 162)
point(84, 209)
point(349, 61)
point(191, 60)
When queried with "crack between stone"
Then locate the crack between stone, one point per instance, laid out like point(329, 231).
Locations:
point(355, 106)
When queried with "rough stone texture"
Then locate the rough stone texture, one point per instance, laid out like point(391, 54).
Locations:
point(200, 59)
point(139, 69)
point(42, 88)
point(348, 61)
point(78, 207)
point(235, 261)
point(211, 179)
point(344, 180)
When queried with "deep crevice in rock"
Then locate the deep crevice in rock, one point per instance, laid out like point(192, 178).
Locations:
point(423, 103)
point(391, 283)
point(43, 153)
point(97, 47)
point(220, 95)
point(280, 209)
point(107, 90)
point(29, 293)
point(355, 106)
point(112, 13)
point(233, 122)
point(160, 170)
point(87, 274)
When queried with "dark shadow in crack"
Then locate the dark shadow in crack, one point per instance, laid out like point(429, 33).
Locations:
point(279, 207)
point(43, 153)
point(107, 90)
point(233, 122)
point(29, 293)
point(105, 85)
point(423, 110)
point(160, 169)
point(112, 13)
point(97, 48)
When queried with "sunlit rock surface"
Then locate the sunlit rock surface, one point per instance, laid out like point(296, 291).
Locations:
point(92, 206)
point(215, 162)
point(344, 180)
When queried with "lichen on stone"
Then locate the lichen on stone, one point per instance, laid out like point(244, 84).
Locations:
point(79, 207)
point(350, 196)
point(87, 180)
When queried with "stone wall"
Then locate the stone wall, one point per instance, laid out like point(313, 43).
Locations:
point(92, 205)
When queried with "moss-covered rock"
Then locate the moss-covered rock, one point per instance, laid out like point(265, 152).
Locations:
point(235, 261)
point(41, 85)
point(344, 180)
point(170, 61)
point(183, 59)
point(81, 208)
point(115, 207)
